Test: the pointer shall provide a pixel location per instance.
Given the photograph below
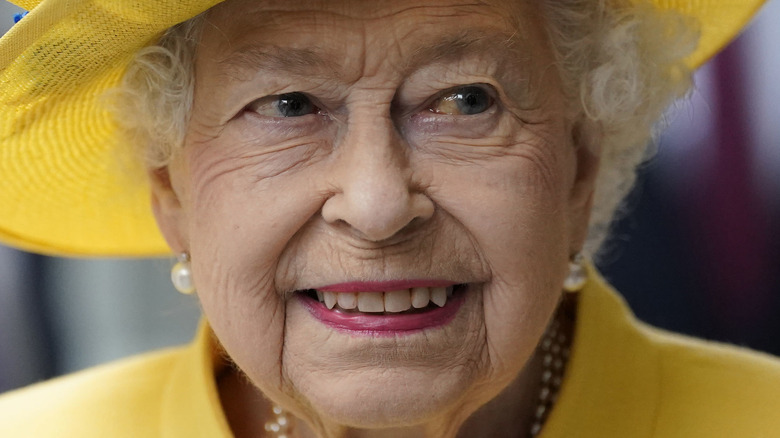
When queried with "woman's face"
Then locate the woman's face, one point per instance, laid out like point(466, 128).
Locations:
point(352, 146)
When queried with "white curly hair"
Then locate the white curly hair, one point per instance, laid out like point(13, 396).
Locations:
point(622, 65)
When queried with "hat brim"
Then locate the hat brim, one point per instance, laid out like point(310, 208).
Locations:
point(66, 189)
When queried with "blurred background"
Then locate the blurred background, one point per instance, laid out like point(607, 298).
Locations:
point(697, 249)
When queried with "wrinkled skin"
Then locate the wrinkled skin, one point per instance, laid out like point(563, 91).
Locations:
point(382, 178)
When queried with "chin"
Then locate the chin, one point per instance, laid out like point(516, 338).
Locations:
point(386, 398)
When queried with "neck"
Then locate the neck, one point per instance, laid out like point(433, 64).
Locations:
point(511, 411)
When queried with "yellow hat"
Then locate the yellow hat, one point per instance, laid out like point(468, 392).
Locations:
point(62, 189)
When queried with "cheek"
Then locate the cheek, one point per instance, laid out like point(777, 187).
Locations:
point(510, 198)
point(513, 209)
point(239, 224)
point(250, 196)
point(513, 201)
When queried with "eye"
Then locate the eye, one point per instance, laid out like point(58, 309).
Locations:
point(468, 100)
point(284, 105)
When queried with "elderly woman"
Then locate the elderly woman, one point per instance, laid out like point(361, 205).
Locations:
point(382, 207)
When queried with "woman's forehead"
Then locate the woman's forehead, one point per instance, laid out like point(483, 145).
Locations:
point(259, 54)
point(363, 22)
point(366, 10)
point(308, 38)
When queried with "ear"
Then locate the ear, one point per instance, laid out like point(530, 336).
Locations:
point(586, 138)
point(167, 209)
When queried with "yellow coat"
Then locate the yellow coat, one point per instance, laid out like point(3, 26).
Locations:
point(624, 380)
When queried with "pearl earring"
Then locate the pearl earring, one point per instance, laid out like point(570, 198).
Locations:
point(181, 275)
point(578, 275)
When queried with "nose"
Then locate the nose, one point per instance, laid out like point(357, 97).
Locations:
point(374, 192)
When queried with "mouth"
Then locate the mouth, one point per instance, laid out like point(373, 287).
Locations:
point(384, 312)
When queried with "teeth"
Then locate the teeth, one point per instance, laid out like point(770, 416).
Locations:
point(439, 296)
point(370, 302)
point(330, 299)
point(391, 301)
point(421, 296)
point(397, 300)
point(347, 300)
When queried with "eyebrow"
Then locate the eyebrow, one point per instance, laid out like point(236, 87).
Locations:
point(463, 43)
point(312, 62)
point(300, 62)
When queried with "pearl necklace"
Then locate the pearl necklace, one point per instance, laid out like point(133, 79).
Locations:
point(280, 426)
point(555, 349)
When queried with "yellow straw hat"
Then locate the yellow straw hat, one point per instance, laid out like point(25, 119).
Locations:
point(62, 189)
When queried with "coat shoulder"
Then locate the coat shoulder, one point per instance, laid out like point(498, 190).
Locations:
point(715, 390)
point(101, 401)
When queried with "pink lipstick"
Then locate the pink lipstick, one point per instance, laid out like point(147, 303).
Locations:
point(440, 303)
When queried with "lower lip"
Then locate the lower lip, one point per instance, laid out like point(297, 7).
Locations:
point(384, 325)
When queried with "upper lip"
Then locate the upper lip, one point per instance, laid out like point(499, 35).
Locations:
point(384, 286)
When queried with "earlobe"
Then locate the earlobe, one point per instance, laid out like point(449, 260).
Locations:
point(167, 209)
point(586, 137)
